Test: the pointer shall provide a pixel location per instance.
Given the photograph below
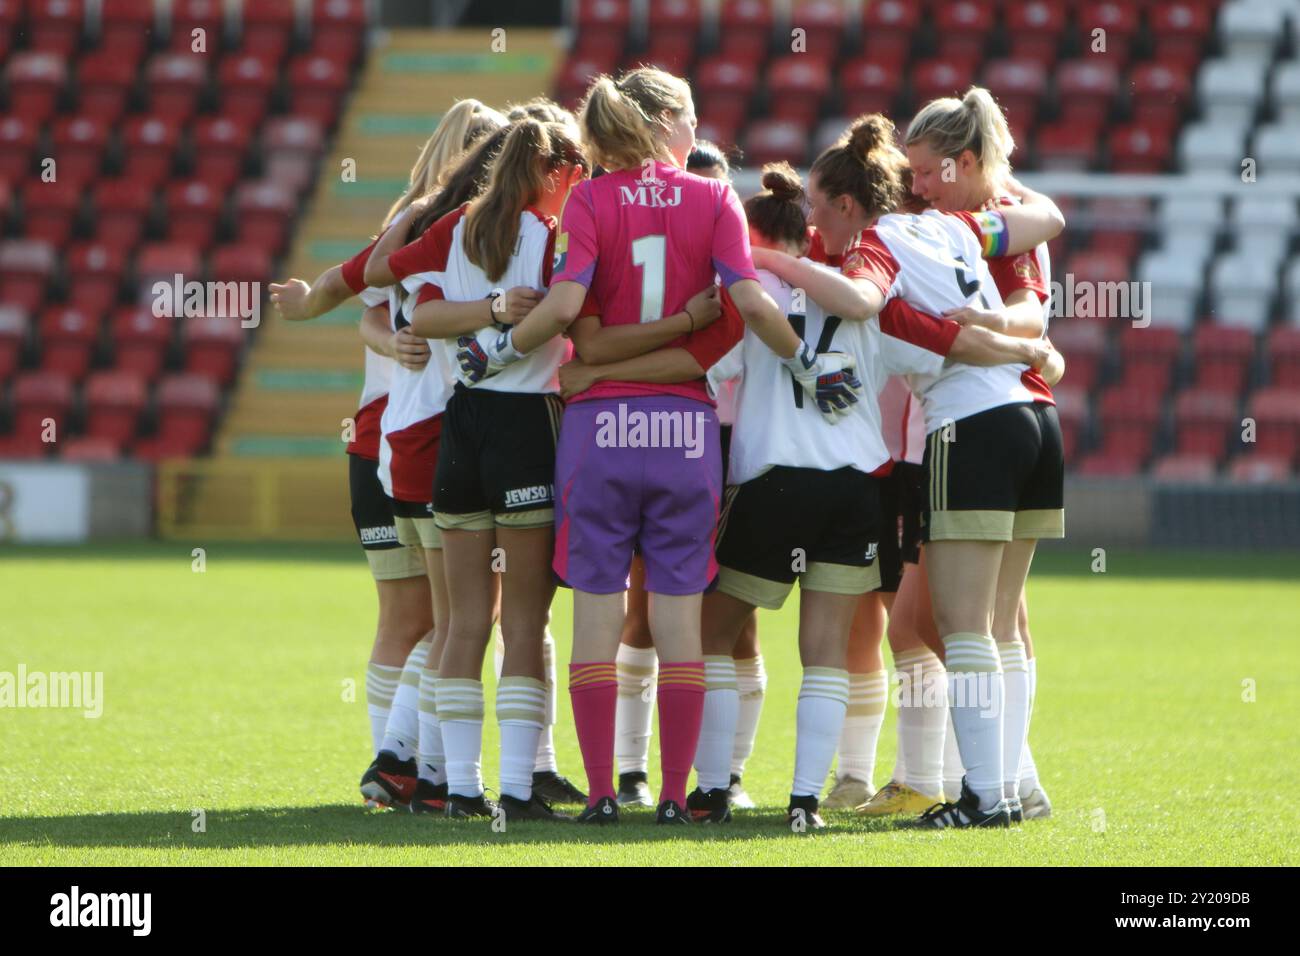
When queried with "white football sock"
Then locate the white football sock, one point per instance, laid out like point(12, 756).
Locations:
point(819, 717)
point(975, 697)
point(718, 724)
point(862, 722)
point(521, 711)
point(430, 758)
point(1028, 771)
point(1015, 727)
point(403, 731)
point(637, 670)
point(381, 685)
point(546, 742)
point(751, 685)
point(460, 714)
point(922, 720)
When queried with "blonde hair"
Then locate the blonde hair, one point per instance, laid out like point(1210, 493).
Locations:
point(541, 108)
point(531, 152)
point(865, 164)
point(619, 117)
point(951, 126)
point(459, 129)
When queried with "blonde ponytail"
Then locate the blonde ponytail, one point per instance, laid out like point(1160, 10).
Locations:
point(621, 119)
point(975, 122)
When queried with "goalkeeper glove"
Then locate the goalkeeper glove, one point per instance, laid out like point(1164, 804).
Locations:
point(485, 354)
point(830, 379)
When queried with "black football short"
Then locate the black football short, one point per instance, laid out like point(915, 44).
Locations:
point(822, 527)
point(901, 504)
point(373, 517)
point(998, 475)
point(496, 461)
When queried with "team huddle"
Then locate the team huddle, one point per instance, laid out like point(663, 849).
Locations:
point(590, 365)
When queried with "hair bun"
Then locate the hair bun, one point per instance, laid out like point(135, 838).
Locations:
point(870, 133)
point(781, 180)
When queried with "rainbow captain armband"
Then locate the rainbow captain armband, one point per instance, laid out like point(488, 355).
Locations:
point(993, 233)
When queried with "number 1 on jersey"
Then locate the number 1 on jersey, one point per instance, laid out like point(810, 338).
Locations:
point(648, 253)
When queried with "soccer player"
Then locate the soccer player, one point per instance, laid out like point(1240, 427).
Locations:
point(806, 504)
point(970, 137)
point(637, 663)
point(642, 238)
point(1010, 462)
point(492, 492)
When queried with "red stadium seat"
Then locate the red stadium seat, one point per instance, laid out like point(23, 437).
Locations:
point(245, 82)
point(22, 447)
point(963, 29)
point(746, 29)
point(1083, 343)
point(239, 263)
point(932, 79)
point(1150, 355)
point(263, 215)
point(674, 25)
point(1118, 223)
point(96, 269)
point(56, 25)
point(316, 88)
point(824, 23)
point(162, 262)
point(1259, 469)
point(888, 27)
point(1018, 86)
point(186, 405)
point(212, 347)
point(25, 269)
point(603, 25)
point(126, 28)
point(51, 209)
point(193, 212)
point(1159, 93)
point(1129, 418)
point(725, 86)
point(220, 145)
point(104, 81)
point(578, 71)
point(1284, 356)
point(290, 146)
point(865, 86)
point(38, 396)
point(114, 401)
point(267, 29)
point(90, 449)
point(190, 15)
point(79, 143)
point(1066, 146)
point(770, 141)
point(1087, 88)
point(1223, 357)
point(1118, 22)
point(1276, 412)
point(17, 142)
point(34, 79)
point(1184, 468)
point(797, 84)
point(140, 341)
point(67, 340)
point(1203, 421)
point(149, 144)
point(1110, 464)
point(1180, 31)
point(1140, 148)
point(13, 330)
point(1035, 30)
point(174, 82)
point(122, 207)
point(338, 28)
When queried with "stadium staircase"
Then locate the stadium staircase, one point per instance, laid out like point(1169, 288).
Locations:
point(277, 466)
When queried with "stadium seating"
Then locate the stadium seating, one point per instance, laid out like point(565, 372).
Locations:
point(174, 152)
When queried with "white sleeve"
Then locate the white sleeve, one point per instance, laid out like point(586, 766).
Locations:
point(725, 369)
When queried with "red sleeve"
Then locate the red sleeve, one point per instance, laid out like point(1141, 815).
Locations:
point(902, 321)
point(548, 259)
point(1018, 272)
point(428, 293)
point(867, 257)
point(708, 346)
point(429, 252)
point(354, 269)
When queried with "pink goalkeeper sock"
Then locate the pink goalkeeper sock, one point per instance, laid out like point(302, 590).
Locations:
point(593, 690)
point(681, 708)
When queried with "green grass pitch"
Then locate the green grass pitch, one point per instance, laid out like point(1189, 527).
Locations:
point(224, 692)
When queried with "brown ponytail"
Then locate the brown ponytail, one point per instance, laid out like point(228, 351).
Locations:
point(864, 164)
point(619, 117)
point(532, 151)
point(777, 212)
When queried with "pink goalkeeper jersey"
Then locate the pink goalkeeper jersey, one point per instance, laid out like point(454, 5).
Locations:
point(645, 240)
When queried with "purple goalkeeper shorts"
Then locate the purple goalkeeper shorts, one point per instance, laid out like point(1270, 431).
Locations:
point(642, 474)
